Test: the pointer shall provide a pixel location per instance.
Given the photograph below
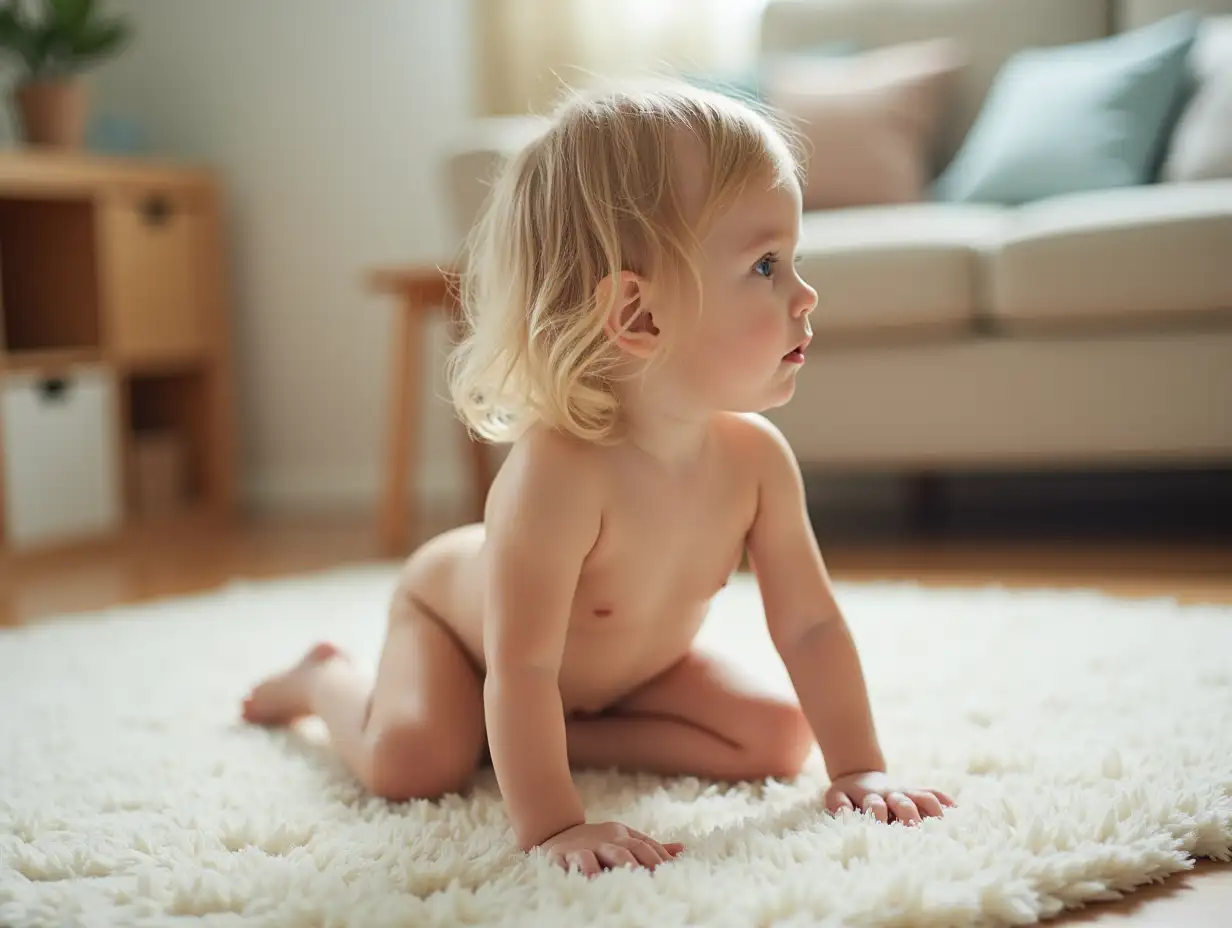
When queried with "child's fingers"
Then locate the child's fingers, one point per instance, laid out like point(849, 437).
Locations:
point(837, 800)
point(669, 850)
point(943, 798)
point(648, 854)
point(904, 808)
point(658, 848)
point(926, 802)
point(583, 861)
point(877, 806)
point(613, 855)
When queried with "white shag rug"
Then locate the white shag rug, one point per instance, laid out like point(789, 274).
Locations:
point(1088, 742)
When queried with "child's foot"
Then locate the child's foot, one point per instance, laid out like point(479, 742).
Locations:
point(283, 698)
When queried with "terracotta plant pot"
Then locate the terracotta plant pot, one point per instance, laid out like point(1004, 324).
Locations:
point(53, 113)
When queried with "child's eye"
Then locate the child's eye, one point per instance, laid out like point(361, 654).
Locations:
point(765, 266)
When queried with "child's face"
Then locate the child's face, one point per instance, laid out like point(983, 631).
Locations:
point(738, 351)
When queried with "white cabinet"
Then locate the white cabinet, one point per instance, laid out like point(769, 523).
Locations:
point(61, 460)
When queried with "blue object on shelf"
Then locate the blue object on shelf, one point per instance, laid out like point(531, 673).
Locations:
point(114, 134)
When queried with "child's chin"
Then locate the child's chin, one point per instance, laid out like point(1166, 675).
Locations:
point(778, 395)
point(782, 392)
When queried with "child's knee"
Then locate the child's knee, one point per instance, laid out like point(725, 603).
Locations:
point(408, 761)
point(784, 741)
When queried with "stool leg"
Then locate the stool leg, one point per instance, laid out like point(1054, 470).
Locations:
point(402, 430)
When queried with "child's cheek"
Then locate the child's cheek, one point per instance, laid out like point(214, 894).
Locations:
point(742, 350)
point(761, 333)
point(739, 339)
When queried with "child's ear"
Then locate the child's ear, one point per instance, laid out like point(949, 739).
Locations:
point(629, 323)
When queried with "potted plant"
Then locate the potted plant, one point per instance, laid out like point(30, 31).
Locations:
point(53, 42)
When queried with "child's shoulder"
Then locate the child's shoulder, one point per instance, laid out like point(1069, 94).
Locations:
point(752, 433)
point(759, 446)
point(548, 479)
point(542, 454)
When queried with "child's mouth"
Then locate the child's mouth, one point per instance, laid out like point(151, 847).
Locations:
point(795, 356)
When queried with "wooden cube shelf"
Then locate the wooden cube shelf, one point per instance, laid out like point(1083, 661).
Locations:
point(118, 265)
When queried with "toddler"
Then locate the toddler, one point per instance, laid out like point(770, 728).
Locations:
point(634, 305)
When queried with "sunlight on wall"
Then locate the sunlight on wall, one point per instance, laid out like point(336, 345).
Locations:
point(531, 46)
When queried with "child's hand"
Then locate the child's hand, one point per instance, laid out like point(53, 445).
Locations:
point(887, 799)
point(591, 848)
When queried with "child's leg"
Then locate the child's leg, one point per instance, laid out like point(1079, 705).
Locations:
point(699, 718)
point(417, 733)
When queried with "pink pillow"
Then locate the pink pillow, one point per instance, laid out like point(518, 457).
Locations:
point(871, 122)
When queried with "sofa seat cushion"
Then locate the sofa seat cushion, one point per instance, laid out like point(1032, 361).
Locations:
point(896, 267)
point(1147, 252)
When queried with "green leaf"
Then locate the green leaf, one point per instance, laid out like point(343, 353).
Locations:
point(49, 48)
point(69, 35)
point(97, 40)
point(10, 29)
point(69, 17)
point(16, 35)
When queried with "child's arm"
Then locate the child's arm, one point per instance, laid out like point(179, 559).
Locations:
point(812, 638)
point(541, 525)
point(804, 620)
point(542, 521)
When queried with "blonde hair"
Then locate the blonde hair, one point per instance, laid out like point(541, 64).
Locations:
point(595, 194)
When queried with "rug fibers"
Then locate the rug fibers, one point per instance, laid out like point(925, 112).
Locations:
point(1088, 741)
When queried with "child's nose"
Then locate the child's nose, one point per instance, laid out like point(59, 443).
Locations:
point(805, 302)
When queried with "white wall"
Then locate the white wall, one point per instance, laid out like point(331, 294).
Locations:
point(325, 119)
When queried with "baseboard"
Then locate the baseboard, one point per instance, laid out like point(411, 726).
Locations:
point(341, 491)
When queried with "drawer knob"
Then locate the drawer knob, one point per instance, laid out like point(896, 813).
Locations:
point(156, 210)
point(53, 389)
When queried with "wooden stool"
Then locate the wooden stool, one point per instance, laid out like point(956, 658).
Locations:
point(420, 292)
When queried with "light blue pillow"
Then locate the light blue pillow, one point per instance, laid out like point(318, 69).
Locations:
point(1088, 116)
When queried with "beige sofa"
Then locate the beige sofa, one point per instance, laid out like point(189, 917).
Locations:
point(1083, 330)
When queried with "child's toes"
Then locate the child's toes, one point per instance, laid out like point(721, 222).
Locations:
point(248, 708)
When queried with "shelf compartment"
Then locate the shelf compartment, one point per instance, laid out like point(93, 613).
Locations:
point(167, 431)
point(48, 275)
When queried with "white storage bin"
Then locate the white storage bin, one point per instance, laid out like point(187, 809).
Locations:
point(61, 457)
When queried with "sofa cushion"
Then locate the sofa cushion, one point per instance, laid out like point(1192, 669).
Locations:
point(896, 267)
point(990, 30)
point(868, 121)
point(1149, 252)
point(1086, 116)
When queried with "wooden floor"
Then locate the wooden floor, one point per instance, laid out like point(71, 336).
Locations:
point(192, 557)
